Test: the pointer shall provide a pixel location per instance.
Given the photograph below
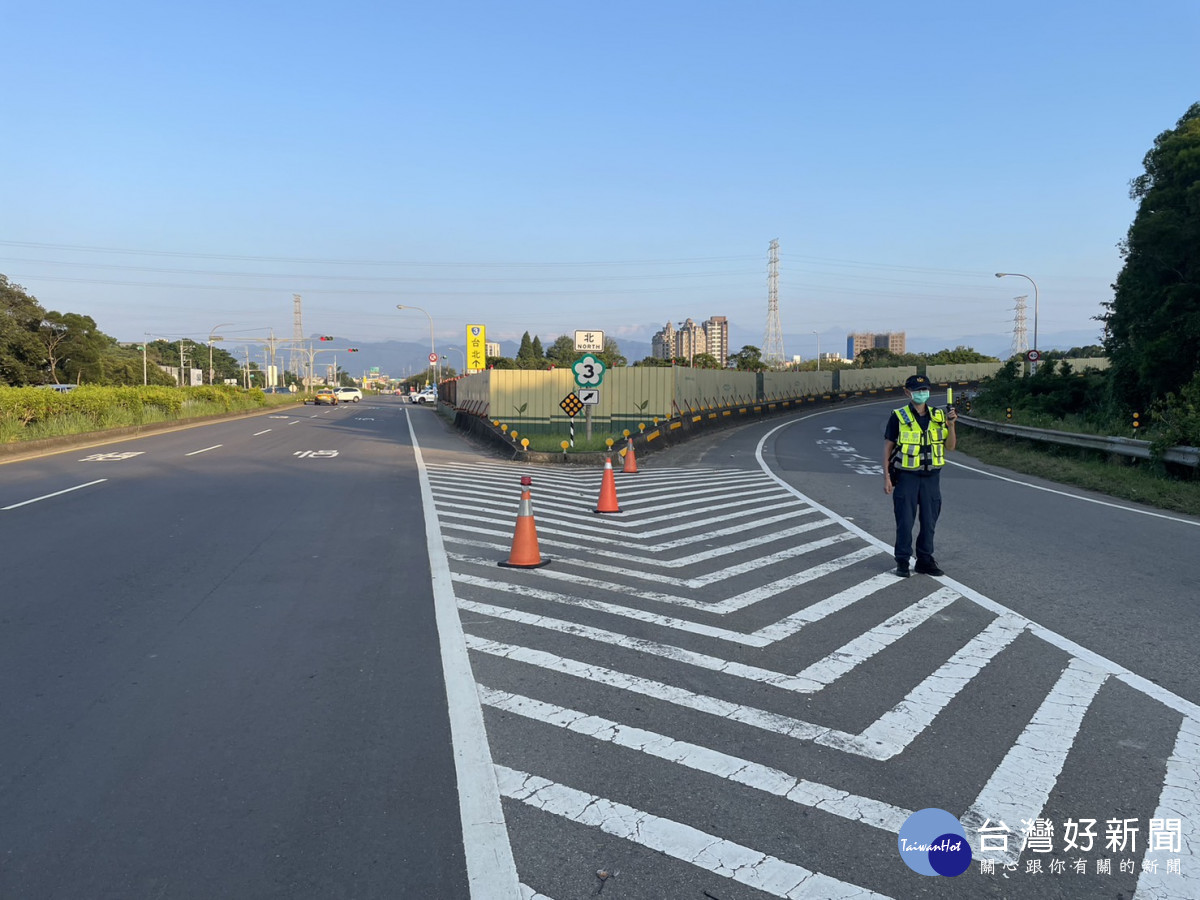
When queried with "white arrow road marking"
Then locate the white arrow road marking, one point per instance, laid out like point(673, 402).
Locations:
point(55, 494)
point(683, 842)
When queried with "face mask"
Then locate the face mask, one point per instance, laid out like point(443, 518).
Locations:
point(920, 397)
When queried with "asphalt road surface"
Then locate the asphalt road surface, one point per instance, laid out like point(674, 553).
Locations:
point(286, 663)
point(219, 667)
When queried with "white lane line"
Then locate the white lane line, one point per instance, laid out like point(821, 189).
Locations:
point(491, 872)
point(1038, 487)
point(528, 893)
point(683, 842)
point(1021, 785)
point(205, 450)
point(769, 780)
point(749, 565)
point(1180, 801)
point(55, 494)
point(257, 433)
point(1137, 682)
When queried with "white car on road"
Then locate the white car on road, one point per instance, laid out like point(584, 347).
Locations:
point(426, 396)
point(349, 394)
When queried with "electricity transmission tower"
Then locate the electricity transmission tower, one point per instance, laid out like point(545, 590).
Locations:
point(1020, 341)
point(773, 341)
point(296, 360)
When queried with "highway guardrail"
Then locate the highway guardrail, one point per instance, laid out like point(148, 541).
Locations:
point(1187, 456)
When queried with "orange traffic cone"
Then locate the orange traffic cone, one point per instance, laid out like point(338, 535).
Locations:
point(525, 553)
point(608, 490)
point(630, 459)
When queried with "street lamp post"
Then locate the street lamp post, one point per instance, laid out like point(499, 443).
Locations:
point(432, 348)
point(464, 359)
point(818, 351)
point(213, 336)
point(1033, 365)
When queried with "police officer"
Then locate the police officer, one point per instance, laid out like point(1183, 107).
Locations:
point(915, 443)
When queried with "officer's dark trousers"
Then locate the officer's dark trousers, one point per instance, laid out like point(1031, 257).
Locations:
point(913, 496)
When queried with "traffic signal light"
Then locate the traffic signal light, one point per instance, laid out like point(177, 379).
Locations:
point(1137, 423)
point(327, 337)
point(1008, 412)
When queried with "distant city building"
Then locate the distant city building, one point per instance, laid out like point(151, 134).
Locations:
point(689, 340)
point(662, 344)
point(716, 335)
point(893, 341)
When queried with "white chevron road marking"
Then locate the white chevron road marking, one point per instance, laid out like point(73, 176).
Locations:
point(699, 581)
point(1021, 784)
point(583, 547)
point(683, 842)
point(812, 679)
point(888, 736)
point(1179, 800)
point(769, 780)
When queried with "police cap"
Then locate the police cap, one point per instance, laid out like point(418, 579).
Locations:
point(916, 382)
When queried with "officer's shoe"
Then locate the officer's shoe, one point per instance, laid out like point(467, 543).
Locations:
point(929, 568)
point(901, 569)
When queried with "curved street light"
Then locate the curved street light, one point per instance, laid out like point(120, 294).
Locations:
point(432, 348)
point(1033, 366)
point(212, 336)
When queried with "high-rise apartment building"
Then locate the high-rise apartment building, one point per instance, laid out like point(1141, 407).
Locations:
point(716, 336)
point(689, 340)
point(893, 341)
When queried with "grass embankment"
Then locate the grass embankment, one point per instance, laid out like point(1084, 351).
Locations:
point(31, 414)
point(1120, 477)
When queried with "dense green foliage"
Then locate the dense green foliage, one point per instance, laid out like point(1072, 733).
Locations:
point(101, 407)
point(1054, 393)
point(1153, 321)
point(49, 347)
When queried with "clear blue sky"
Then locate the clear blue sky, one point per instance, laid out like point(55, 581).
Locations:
point(548, 166)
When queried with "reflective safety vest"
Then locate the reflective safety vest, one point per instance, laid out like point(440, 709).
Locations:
point(917, 450)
